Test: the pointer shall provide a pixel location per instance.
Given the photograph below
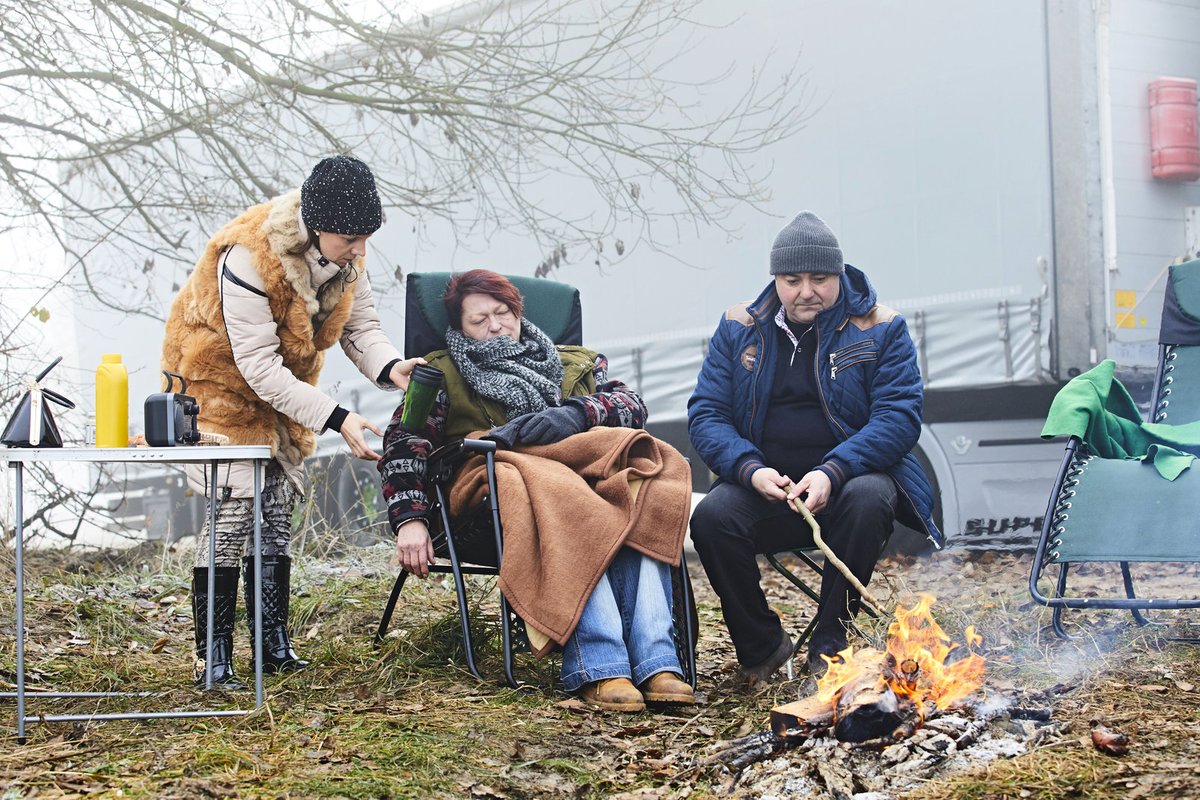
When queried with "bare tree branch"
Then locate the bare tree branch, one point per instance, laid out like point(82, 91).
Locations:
point(144, 124)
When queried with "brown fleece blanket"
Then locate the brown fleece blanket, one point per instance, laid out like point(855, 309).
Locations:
point(568, 507)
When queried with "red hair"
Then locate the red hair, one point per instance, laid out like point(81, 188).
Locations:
point(479, 281)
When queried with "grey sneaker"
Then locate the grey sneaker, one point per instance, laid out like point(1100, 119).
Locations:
point(762, 673)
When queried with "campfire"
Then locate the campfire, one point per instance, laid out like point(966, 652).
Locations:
point(867, 694)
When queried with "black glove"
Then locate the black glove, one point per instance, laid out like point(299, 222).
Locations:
point(552, 425)
point(509, 433)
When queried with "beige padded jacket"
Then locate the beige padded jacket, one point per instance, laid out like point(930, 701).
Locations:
point(249, 331)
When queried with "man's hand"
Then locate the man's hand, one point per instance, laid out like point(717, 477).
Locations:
point(770, 484)
point(402, 371)
point(414, 547)
point(817, 484)
point(352, 431)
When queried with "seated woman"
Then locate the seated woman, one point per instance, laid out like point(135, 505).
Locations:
point(505, 377)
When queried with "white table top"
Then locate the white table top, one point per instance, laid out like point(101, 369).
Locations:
point(164, 455)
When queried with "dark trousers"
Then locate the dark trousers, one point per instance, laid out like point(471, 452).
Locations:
point(732, 524)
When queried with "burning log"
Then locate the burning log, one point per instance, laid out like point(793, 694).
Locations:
point(867, 707)
point(873, 698)
point(802, 718)
point(864, 707)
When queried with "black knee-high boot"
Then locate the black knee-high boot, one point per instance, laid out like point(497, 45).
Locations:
point(225, 581)
point(278, 655)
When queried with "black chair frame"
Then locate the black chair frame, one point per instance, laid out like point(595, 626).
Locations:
point(806, 557)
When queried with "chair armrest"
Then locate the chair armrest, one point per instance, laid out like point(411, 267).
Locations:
point(446, 459)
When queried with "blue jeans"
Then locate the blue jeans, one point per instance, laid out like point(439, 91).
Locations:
point(627, 629)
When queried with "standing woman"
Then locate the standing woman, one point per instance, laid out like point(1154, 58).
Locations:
point(274, 289)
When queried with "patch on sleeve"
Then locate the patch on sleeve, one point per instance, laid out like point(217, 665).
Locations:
point(748, 357)
point(739, 314)
point(878, 315)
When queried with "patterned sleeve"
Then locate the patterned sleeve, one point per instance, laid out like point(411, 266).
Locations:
point(614, 404)
point(405, 486)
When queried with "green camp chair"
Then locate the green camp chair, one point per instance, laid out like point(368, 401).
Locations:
point(1121, 510)
point(474, 543)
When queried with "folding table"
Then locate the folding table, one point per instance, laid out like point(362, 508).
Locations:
point(213, 455)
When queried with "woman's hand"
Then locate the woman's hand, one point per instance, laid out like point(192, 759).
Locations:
point(414, 547)
point(352, 431)
point(402, 371)
point(552, 425)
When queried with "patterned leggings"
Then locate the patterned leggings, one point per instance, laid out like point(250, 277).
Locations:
point(235, 522)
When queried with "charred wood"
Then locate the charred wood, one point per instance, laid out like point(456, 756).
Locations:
point(739, 753)
point(978, 726)
point(839, 780)
point(1035, 714)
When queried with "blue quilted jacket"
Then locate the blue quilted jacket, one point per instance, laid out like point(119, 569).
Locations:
point(870, 389)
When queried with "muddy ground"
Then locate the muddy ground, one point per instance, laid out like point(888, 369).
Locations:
point(404, 719)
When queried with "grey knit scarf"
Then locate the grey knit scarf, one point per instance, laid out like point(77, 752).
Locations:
point(524, 376)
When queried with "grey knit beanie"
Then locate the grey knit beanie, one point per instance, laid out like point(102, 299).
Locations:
point(339, 197)
point(806, 245)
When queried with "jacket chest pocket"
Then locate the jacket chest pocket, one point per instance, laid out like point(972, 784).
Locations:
point(844, 358)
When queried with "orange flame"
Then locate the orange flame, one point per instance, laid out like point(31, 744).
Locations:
point(917, 652)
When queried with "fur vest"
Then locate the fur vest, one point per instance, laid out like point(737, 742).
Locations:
point(197, 343)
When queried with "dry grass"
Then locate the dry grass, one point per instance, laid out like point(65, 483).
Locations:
point(405, 720)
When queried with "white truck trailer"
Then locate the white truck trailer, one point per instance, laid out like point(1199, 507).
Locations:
point(988, 164)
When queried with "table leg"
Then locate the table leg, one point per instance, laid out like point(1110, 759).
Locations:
point(212, 575)
point(258, 605)
point(19, 547)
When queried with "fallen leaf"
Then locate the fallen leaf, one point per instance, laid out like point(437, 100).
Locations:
point(572, 705)
point(1109, 742)
point(1153, 687)
point(1184, 686)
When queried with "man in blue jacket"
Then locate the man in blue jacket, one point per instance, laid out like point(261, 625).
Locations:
point(810, 391)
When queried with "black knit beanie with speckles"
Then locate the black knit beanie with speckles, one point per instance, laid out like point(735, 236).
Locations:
point(339, 197)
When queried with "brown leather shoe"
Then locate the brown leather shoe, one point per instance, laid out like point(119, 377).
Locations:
point(613, 694)
point(667, 687)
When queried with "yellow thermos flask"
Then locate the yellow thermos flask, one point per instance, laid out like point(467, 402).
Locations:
point(112, 402)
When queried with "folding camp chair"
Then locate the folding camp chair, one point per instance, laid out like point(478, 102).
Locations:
point(1120, 510)
point(473, 544)
point(812, 558)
